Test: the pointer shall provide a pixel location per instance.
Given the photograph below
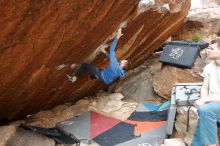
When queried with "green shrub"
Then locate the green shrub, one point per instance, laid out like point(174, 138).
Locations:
point(197, 36)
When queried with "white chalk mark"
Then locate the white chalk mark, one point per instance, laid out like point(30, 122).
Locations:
point(166, 6)
point(59, 67)
point(123, 24)
point(147, 2)
point(73, 66)
point(102, 46)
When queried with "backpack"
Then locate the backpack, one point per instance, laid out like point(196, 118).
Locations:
point(182, 53)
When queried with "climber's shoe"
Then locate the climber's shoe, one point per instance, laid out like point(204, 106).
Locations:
point(92, 77)
point(70, 78)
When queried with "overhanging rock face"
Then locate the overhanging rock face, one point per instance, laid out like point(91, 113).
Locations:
point(41, 41)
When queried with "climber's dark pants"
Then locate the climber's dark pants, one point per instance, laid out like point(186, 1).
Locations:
point(88, 68)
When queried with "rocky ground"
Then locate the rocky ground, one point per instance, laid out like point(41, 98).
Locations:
point(139, 85)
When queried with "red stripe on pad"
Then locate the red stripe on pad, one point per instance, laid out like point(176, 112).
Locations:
point(100, 123)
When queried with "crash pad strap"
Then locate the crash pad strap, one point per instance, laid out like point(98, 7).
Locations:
point(54, 133)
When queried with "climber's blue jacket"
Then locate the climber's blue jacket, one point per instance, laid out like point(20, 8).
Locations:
point(113, 71)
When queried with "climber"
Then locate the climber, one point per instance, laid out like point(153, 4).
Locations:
point(209, 104)
point(111, 72)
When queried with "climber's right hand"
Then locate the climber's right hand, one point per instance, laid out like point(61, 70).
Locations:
point(119, 33)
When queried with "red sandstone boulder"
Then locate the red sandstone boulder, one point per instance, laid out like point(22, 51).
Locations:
point(41, 41)
point(164, 80)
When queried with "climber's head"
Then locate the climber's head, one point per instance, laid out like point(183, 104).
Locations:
point(213, 51)
point(215, 43)
point(124, 64)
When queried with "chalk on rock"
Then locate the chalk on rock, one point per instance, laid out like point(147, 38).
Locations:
point(102, 46)
point(166, 6)
point(147, 2)
point(123, 25)
point(61, 66)
point(73, 66)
